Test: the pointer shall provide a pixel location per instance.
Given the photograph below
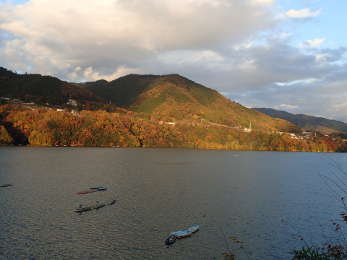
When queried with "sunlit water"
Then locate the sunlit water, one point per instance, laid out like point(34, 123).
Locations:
point(263, 199)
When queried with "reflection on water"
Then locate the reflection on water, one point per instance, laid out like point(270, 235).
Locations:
point(257, 200)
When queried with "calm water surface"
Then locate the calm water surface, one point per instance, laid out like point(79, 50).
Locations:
point(264, 199)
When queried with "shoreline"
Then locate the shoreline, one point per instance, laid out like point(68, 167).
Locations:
point(153, 147)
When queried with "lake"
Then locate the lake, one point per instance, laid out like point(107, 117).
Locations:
point(266, 200)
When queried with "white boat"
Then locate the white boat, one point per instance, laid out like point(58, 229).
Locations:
point(185, 232)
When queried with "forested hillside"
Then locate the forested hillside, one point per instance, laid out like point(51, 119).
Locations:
point(140, 111)
point(48, 127)
point(307, 122)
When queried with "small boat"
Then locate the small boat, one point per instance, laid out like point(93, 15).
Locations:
point(96, 206)
point(99, 188)
point(5, 185)
point(86, 192)
point(185, 232)
point(83, 209)
point(181, 234)
point(92, 189)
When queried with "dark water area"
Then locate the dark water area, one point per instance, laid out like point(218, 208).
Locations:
point(264, 199)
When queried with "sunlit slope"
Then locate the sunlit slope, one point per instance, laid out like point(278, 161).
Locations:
point(173, 97)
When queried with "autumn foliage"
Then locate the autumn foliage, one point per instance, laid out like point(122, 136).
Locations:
point(48, 127)
point(5, 138)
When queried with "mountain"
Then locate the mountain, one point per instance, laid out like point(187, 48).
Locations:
point(307, 122)
point(42, 89)
point(141, 111)
point(166, 98)
point(173, 97)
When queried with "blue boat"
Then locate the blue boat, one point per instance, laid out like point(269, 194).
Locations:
point(181, 234)
point(185, 232)
point(98, 188)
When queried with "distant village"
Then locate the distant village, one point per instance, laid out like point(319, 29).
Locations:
point(70, 105)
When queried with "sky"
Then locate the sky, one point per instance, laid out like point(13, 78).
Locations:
point(284, 54)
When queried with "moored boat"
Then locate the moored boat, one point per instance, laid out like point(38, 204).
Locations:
point(181, 234)
point(98, 188)
point(83, 209)
point(185, 232)
point(5, 185)
point(95, 206)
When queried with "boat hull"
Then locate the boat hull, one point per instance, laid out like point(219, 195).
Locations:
point(5, 185)
point(185, 232)
point(99, 188)
point(94, 207)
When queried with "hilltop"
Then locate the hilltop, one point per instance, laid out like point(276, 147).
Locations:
point(173, 97)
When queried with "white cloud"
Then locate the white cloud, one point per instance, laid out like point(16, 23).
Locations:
point(190, 56)
point(322, 57)
point(312, 43)
point(247, 65)
point(287, 107)
point(264, 2)
point(244, 45)
point(214, 42)
point(302, 13)
point(90, 74)
point(58, 35)
point(297, 82)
